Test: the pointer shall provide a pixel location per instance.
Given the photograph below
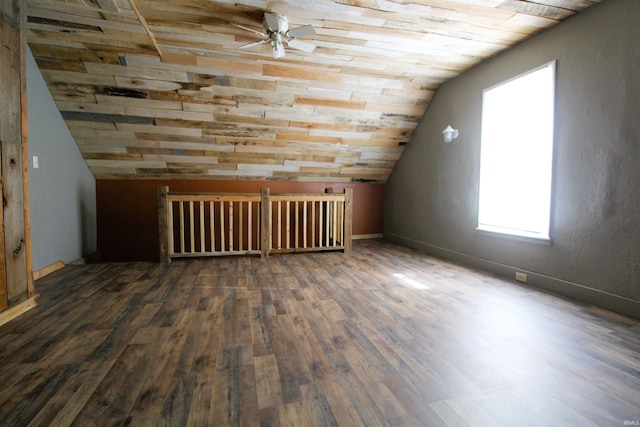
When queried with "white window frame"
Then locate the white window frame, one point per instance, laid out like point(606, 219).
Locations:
point(502, 128)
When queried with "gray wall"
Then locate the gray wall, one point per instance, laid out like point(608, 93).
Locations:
point(62, 191)
point(431, 198)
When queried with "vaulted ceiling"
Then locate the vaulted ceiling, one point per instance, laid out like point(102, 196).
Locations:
point(155, 88)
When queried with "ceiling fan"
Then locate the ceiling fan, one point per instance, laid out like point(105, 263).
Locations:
point(277, 29)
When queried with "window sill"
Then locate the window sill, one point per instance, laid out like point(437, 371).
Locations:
point(488, 231)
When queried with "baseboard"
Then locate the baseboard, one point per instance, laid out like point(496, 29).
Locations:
point(39, 274)
point(576, 291)
point(93, 258)
point(367, 236)
point(18, 309)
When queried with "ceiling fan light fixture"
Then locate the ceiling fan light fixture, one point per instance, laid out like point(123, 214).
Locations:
point(276, 45)
point(278, 50)
point(276, 26)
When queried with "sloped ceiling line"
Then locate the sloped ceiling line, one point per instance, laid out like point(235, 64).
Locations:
point(145, 26)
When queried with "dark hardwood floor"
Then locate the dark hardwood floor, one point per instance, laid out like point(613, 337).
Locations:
point(387, 336)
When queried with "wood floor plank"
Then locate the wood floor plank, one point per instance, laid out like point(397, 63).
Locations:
point(341, 405)
point(249, 408)
point(320, 412)
point(206, 352)
point(158, 383)
point(387, 336)
point(294, 415)
point(201, 400)
point(413, 401)
point(225, 409)
point(368, 411)
point(243, 322)
point(28, 402)
point(269, 417)
point(385, 400)
point(176, 403)
point(117, 392)
point(316, 361)
point(267, 382)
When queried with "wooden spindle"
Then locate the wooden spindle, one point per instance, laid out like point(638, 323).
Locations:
point(240, 221)
point(212, 223)
point(320, 222)
point(222, 246)
point(341, 222)
point(192, 240)
point(231, 226)
point(288, 225)
point(304, 224)
point(335, 222)
point(279, 225)
point(181, 227)
point(172, 250)
point(327, 223)
point(296, 226)
point(313, 224)
point(249, 224)
point(202, 248)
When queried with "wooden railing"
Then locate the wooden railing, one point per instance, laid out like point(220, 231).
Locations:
point(197, 225)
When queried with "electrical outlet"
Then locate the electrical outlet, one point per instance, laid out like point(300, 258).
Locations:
point(521, 277)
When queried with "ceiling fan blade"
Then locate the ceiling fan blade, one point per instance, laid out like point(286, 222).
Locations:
point(273, 23)
point(305, 30)
point(250, 29)
point(297, 44)
point(246, 46)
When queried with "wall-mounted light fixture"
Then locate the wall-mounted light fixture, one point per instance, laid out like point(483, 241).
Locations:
point(450, 134)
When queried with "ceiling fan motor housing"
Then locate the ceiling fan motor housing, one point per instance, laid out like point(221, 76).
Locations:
point(277, 31)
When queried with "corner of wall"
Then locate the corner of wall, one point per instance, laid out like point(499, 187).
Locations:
point(62, 190)
point(594, 256)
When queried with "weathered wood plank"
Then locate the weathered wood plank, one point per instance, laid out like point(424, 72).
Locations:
point(370, 79)
point(164, 207)
point(537, 9)
point(16, 283)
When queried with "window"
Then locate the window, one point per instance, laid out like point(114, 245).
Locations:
point(516, 155)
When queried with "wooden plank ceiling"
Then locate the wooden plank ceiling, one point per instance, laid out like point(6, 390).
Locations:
point(155, 88)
